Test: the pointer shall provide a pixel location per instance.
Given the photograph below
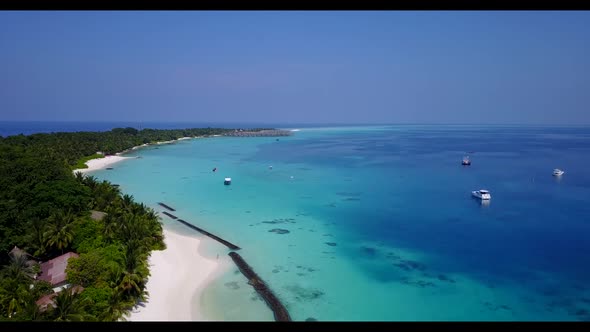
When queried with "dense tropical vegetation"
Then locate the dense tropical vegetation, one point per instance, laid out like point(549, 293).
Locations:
point(46, 211)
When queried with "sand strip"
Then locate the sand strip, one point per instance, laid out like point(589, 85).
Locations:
point(177, 275)
point(100, 163)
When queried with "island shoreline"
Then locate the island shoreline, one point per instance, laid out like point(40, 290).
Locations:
point(178, 274)
point(102, 163)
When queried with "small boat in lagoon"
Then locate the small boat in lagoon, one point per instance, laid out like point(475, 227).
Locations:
point(557, 172)
point(481, 194)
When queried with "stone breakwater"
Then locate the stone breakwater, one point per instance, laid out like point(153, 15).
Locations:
point(261, 133)
point(280, 312)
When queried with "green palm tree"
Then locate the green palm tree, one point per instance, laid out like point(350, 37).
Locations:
point(79, 176)
point(151, 214)
point(135, 255)
point(36, 236)
point(118, 225)
point(105, 194)
point(127, 203)
point(130, 283)
point(132, 228)
point(153, 229)
point(13, 299)
point(59, 232)
point(20, 268)
point(30, 309)
point(141, 209)
point(90, 181)
point(110, 227)
point(117, 308)
point(133, 277)
point(70, 306)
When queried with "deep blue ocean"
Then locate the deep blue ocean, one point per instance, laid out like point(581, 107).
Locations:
point(380, 219)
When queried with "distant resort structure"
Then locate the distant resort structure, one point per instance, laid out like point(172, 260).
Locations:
point(258, 133)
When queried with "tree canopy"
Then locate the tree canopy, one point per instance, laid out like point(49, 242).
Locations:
point(45, 210)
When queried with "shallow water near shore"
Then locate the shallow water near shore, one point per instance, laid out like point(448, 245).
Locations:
point(377, 223)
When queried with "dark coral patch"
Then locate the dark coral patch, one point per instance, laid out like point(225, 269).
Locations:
point(279, 231)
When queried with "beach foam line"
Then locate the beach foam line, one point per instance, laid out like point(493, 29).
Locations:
point(177, 275)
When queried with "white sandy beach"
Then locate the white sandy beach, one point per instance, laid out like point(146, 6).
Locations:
point(177, 275)
point(166, 142)
point(139, 146)
point(100, 163)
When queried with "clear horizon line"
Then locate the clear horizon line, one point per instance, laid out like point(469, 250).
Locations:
point(307, 123)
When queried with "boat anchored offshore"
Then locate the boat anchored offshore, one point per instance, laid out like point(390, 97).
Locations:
point(481, 194)
point(466, 161)
point(227, 181)
point(557, 172)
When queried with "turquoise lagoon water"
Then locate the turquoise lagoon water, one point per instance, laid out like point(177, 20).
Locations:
point(381, 225)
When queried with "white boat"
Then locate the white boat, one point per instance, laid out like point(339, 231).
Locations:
point(466, 161)
point(481, 194)
point(557, 172)
point(227, 181)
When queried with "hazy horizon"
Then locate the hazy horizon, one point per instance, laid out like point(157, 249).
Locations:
point(314, 67)
point(327, 124)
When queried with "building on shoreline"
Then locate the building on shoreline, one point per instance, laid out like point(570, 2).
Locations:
point(54, 271)
point(260, 133)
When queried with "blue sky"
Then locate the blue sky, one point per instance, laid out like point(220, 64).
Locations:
point(296, 66)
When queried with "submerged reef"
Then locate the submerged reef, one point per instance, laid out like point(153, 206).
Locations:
point(279, 231)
